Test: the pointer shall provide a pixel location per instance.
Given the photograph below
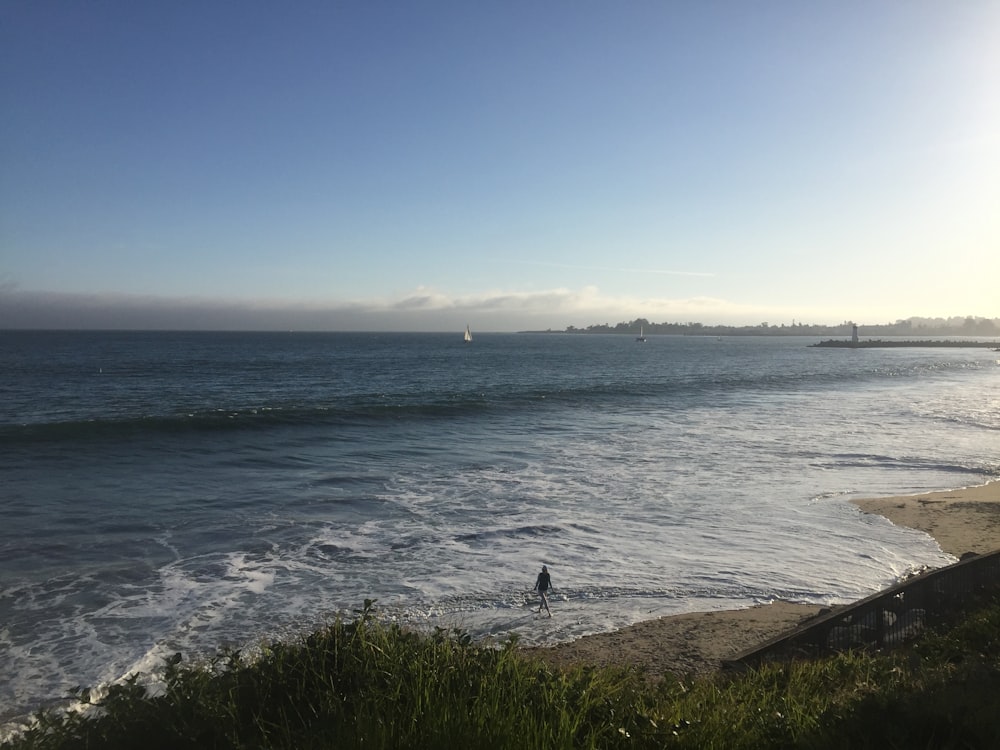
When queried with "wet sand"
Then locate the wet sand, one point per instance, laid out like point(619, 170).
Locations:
point(966, 520)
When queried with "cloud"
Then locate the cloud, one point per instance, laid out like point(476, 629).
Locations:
point(422, 310)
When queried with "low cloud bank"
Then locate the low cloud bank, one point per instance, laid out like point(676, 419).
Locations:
point(423, 310)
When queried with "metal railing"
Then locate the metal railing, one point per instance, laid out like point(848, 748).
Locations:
point(885, 619)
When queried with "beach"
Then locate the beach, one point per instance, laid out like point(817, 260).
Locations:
point(963, 520)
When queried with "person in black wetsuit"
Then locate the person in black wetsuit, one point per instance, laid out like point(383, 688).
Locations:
point(542, 585)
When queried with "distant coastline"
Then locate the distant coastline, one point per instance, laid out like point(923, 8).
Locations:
point(912, 328)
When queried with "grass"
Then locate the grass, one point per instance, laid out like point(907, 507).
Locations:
point(367, 684)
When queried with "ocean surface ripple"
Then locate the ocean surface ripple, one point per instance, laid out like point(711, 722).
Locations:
point(171, 492)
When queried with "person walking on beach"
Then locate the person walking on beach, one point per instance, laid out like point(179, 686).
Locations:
point(542, 585)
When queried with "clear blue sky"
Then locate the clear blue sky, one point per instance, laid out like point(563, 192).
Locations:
point(421, 165)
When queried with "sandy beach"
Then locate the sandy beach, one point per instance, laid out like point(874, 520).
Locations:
point(965, 520)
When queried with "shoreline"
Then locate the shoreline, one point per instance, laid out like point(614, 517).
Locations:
point(696, 644)
point(962, 520)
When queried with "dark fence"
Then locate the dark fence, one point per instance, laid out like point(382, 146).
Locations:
point(888, 618)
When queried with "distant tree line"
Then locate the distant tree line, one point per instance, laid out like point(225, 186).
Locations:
point(967, 326)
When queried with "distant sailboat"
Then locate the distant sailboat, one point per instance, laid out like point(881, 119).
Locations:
point(468, 335)
point(640, 337)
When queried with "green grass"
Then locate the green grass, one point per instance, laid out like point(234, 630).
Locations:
point(367, 684)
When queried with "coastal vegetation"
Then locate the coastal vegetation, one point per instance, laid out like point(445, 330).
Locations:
point(919, 327)
point(371, 684)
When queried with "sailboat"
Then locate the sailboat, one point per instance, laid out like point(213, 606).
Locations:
point(468, 335)
point(640, 337)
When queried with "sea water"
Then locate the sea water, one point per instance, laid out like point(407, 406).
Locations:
point(167, 492)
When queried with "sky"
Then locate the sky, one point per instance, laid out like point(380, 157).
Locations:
point(508, 165)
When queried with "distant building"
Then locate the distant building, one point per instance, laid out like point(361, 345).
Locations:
point(854, 334)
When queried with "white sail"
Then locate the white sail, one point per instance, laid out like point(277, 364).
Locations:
point(468, 335)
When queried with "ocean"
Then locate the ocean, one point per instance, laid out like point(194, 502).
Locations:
point(166, 492)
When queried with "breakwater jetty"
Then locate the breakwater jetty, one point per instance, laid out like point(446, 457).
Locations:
point(856, 343)
point(881, 344)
